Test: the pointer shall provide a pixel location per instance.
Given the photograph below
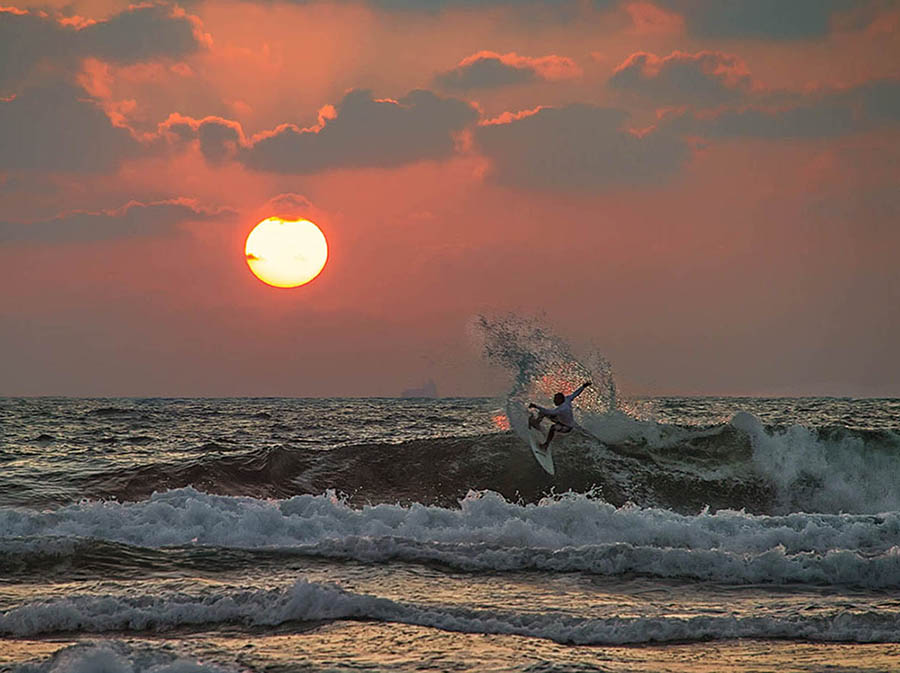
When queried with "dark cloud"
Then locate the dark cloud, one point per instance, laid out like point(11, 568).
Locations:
point(361, 131)
point(25, 40)
point(364, 131)
point(485, 72)
point(219, 138)
point(879, 100)
point(759, 19)
point(139, 33)
point(487, 69)
point(805, 116)
point(704, 78)
point(578, 147)
point(58, 128)
point(142, 32)
point(132, 219)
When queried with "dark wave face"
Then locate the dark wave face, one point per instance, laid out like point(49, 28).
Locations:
point(709, 469)
point(60, 450)
point(436, 451)
point(738, 465)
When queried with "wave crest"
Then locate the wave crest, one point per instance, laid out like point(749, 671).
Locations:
point(484, 532)
point(310, 602)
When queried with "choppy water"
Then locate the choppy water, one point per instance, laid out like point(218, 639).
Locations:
point(421, 535)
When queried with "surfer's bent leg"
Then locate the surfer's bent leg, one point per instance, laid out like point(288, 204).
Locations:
point(556, 427)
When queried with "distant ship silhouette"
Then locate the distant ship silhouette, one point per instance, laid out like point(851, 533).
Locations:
point(428, 389)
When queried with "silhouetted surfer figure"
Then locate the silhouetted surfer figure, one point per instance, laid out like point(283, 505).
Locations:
point(561, 415)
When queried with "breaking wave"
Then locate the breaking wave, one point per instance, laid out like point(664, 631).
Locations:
point(484, 532)
point(738, 464)
point(310, 602)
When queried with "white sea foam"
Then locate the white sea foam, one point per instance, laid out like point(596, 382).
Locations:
point(487, 532)
point(306, 601)
point(844, 473)
point(116, 657)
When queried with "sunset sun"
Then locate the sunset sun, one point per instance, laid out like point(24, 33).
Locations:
point(286, 253)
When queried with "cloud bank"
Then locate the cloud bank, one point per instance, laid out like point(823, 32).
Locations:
point(58, 128)
point(141, 32)
point(759, 19)
point(364, 131)
point(132, 219)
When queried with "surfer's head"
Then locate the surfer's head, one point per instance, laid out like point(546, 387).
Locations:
point(558, 399)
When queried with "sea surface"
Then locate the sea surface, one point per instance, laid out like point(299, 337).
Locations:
point(678, 534)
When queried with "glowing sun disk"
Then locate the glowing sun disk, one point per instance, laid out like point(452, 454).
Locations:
point(286, 253)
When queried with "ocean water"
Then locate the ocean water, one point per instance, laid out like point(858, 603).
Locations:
point(715, 534)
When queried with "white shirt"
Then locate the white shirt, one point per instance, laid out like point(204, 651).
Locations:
point(563, 413)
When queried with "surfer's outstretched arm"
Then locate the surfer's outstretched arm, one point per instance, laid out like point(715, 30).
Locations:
point(578, 391)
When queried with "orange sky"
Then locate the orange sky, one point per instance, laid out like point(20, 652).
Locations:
point(705, 191)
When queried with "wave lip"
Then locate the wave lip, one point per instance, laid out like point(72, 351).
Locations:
point(310, 602)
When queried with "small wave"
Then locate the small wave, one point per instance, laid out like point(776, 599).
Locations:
point(487, 532)
point(117, 657)
point(68, 557)
point(310, 602)
point(112, 412)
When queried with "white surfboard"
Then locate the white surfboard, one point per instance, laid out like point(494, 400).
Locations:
point(544, 458)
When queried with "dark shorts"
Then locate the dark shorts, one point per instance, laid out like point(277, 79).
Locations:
point(560, 426)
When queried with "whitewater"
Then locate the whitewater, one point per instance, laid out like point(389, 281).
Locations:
point(678, 534)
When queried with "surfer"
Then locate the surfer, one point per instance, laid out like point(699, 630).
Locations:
point(561, 415)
